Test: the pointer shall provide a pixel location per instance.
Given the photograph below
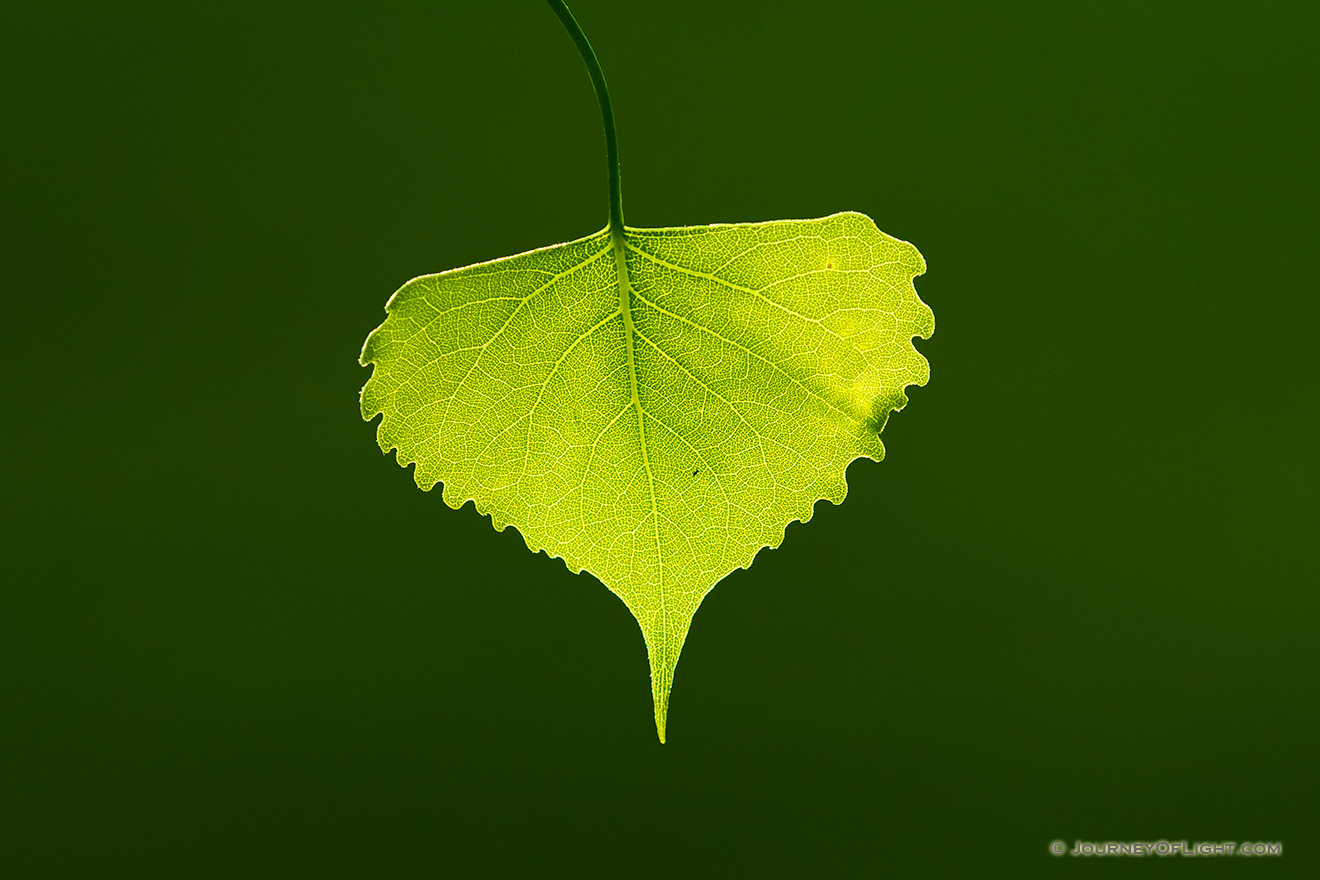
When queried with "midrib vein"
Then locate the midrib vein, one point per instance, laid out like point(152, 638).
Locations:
point(625, 309)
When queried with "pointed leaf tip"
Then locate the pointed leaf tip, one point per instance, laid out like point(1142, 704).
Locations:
point(660, 686)
point(662, 681)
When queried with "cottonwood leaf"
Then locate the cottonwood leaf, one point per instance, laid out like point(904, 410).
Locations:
point(654, 406)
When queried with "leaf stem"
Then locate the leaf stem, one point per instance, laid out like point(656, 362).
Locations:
point(606, 110)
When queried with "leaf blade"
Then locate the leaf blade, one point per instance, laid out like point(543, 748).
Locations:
point(758, 360)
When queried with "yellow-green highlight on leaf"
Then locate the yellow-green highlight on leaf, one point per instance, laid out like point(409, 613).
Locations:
point(656, 406)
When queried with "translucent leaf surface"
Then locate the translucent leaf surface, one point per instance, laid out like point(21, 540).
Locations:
point(653, 407)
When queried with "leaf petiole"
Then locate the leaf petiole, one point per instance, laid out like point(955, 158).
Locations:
point(606, 110)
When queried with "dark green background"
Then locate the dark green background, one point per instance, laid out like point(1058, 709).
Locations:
point(1078, 601)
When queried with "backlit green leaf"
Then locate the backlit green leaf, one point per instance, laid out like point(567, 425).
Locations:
point(653, 406)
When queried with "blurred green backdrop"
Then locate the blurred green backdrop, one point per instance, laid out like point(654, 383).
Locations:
point(1078, 601)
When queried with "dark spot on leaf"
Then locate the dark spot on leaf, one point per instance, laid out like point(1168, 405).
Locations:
point(694, 473)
